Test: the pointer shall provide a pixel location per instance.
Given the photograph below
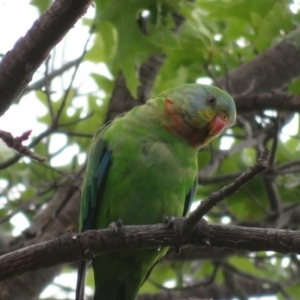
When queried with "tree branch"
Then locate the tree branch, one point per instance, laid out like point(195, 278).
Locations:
point(216, 197)
point(274, 100)
point(42, 82)
point(19, 64)
point(66, 249)
point(16, 144)
point(270, 70)
point(72, 247)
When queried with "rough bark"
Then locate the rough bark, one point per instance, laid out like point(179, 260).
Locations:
point(73, 247)
point(272, 69)
point(276, 100)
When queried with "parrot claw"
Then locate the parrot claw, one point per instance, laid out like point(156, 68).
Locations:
point(203, 227)
point(116, 226)
point(169, 221)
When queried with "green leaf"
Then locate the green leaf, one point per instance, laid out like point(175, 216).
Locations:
point(293, 291)
point(41, 5)
point(104, 47)
point(274, 25)
point(294, 87)
point(160, 274)
point(132, 47)
point(241, 9)
point(103, 82)
point(163, 37)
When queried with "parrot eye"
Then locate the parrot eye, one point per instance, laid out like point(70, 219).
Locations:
point(211, 100)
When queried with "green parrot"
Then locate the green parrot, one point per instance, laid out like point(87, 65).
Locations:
point(143, 166)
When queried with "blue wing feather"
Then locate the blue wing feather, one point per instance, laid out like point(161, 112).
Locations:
point(189, 198)
point(96, 189)
point(93, 194)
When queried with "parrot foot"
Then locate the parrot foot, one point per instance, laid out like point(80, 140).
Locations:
point(203, 226)
point(169, 221)
point(116, 226)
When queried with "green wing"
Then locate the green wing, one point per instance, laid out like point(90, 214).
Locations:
point(96, 174)
point(95, 177)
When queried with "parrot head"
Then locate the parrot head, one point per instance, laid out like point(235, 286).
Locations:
point(198, 113)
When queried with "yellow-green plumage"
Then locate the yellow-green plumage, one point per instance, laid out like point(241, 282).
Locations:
point(142, 167)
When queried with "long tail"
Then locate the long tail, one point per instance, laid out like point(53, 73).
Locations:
point(81, 280)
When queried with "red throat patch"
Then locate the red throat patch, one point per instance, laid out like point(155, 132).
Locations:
point(177, 120)
point(195, 136)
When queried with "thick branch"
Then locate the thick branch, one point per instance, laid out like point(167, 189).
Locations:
point(73, 247)
point(270, 70)
point(29, 52)
point(275, 100)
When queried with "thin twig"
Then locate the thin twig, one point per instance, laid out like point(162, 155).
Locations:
point(277, 129)
point(255, 278)
point(78, 134)
point(217, 179)
point(272, 194)
point(42, 82)
point(76, 121)
point(216, 197)
point(10, 161)
point(221, 155)
point(48, 90)
point(257, 201)
point(204, 282)
point(64, 100)
point(16, 144)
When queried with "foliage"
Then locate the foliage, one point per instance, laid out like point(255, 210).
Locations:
point(217, 36)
